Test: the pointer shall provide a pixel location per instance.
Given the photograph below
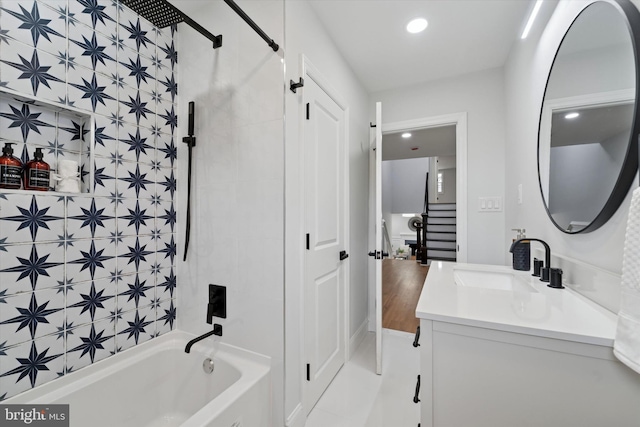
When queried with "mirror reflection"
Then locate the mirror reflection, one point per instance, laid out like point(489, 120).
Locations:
point(587, 118)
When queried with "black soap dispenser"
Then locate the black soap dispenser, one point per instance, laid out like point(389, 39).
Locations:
point(521, 253)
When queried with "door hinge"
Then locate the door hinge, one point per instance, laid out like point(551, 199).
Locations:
point(307, 241)
point(307, 111)
point(308, 372)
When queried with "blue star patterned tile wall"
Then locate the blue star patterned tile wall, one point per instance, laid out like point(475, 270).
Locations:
point(91, 301)
point(90, 343)
point(30, 364)
point(21, 117)
point(85, 276)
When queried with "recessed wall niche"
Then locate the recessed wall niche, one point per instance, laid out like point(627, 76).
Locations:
point(61, 133)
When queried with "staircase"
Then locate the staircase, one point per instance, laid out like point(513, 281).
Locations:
point(439, 233)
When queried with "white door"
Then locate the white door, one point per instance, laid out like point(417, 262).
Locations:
point(324, 171)
point(378, 251)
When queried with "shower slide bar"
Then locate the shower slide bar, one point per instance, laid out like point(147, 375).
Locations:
point(191, 142)
point(163, 14)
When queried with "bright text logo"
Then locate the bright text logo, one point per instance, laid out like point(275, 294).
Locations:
point(36, 415)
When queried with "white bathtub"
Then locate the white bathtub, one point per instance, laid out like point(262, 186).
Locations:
point(158, 384)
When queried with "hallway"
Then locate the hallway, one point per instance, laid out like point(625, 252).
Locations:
point(402, 282)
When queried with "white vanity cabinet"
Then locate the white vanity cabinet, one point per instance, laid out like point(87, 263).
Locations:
point(523, 359)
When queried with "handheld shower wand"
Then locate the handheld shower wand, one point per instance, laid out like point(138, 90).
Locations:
point(191, 142)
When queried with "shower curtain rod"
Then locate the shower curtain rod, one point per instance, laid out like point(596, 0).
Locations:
point(253, 25)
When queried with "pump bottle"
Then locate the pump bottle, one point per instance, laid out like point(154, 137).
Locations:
point(10, 168)
point(37, 173)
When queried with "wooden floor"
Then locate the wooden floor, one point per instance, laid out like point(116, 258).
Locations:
point(401, 286)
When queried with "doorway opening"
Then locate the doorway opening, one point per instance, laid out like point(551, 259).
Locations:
point(419, 215)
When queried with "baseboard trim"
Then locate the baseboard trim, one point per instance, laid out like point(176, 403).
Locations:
point(296, 418)
point(357, 338)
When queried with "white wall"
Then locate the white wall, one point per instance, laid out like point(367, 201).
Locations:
point(525, 75)
point(238, 179)
point(305, 35)
point(407, 179)
point(448, 194)
point(400, 231)
point(446, 162)
point(582, 177)
point(602, 70)
point(481, 95)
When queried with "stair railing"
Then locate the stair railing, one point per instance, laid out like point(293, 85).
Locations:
point(386, 241)
point(425, 216)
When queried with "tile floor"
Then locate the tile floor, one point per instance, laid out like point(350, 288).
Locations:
point(358, 397)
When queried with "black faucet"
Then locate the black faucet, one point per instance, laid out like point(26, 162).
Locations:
point(217, 330)
point(547, 255)
point(551, 275)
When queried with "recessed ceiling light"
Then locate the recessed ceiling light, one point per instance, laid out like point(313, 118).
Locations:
point(571, 116)
point(406, 135)
point(417, 25)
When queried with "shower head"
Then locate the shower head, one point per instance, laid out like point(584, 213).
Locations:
point(160, 13)
point(163, 14)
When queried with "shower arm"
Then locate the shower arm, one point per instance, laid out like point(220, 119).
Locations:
point(217, 40)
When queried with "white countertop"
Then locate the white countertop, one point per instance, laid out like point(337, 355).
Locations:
point(546, 312)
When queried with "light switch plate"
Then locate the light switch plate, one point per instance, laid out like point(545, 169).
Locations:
point(490, 204)
point(519, 194)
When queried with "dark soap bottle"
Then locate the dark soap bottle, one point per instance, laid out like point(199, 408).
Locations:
point(37, 173)
point(522, 252)
point(10, 168)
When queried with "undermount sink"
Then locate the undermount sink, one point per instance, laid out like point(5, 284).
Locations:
point(497, 280)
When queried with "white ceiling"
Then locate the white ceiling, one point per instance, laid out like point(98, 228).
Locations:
point(463, 36)
point(594, 125)
point(429, 142)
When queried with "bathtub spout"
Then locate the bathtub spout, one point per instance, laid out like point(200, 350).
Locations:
point(217, 330)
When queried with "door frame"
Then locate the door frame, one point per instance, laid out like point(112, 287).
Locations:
point(310, 71)
point(459, 120)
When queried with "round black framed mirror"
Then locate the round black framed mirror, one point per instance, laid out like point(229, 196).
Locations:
point(589, 120)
